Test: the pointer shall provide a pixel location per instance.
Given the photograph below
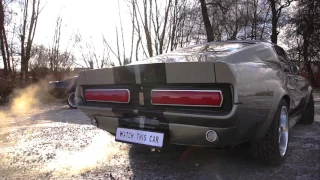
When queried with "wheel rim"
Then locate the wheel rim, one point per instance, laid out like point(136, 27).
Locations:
point(71, 100)
point(283, 131)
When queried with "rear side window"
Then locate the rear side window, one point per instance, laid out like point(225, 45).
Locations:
point(283, 58)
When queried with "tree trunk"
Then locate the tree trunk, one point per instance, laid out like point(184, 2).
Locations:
point(137, 48)
point(24, 70)
point(274, 22)
point(246, 19)
point(264, 23)
point(206, 21)
point(122, 36)
point(235, 31)
point(91, 64)
point(27, 36)
point(118, 48)
point(22, 40)
point(133, 26)
point(2, 40)
point(22, 56)
point(5, 66)
point(147, 30)
point(274, 35)
point(164, 27)
point(255, 18)
point(6, 49)
point(29, 42)
point(174, 25)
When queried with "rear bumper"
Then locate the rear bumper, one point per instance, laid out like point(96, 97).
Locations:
point(196, 135)
point(179, 134)
point(190, 133)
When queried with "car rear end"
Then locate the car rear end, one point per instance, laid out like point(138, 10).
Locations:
point(187, 103)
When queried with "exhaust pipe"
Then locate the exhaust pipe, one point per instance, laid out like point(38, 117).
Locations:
point(212, 136)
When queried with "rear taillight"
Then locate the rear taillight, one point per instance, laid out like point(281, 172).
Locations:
point(108, 95)
point(201, 98)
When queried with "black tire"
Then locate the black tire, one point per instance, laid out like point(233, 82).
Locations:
point(70, 100)
point(308, 114)
point(267, 149)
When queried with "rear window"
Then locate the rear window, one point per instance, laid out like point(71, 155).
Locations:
point(198, 53)
point(213, 48)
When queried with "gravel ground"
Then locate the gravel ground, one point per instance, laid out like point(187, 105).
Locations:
point(54, 142)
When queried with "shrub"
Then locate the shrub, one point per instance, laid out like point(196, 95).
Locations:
point(7, 85)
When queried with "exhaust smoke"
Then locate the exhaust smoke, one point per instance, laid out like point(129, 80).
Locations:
point(24, 101)
point(101, 151)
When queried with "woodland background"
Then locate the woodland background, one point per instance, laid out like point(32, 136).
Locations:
point(156, 27)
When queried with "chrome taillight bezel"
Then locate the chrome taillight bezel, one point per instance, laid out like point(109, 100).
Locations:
point(106, 90)
point(162, 90)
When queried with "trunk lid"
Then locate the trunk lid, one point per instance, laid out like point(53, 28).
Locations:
point(157, 73)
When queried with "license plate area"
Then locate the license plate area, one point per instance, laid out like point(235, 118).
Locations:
point(153, 139)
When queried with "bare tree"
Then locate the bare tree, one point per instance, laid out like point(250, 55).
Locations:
point(162, 36)
point(215, 18)
point(7, 34)
point(3, 41)
point(276, 8)
point(122, 37)
point(206, 21)
point(174, 24)
point(146, 26)
point(132, 4)
point(41, 62)
point(92, 58)
point(118, 48)
point(28, 30)
point(52, 58)
point(160, 26)
point(55, 47)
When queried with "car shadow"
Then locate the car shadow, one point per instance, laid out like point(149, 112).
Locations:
point(235, 163)
point(192, 162)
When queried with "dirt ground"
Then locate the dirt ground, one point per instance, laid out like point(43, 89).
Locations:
point(55, 142)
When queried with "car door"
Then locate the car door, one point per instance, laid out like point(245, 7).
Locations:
point(293, 82)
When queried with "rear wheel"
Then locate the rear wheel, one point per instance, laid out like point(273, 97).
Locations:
point(272, 149)
point(308, 115)
point(71, 100)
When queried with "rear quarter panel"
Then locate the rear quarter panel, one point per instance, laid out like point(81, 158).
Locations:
point(257, 83)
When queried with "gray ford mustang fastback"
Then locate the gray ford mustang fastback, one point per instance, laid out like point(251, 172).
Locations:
point(212, 94)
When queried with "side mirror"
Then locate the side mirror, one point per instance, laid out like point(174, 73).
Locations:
point(296, 69)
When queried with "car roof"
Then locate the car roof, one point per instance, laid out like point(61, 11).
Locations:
point(226, 42)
